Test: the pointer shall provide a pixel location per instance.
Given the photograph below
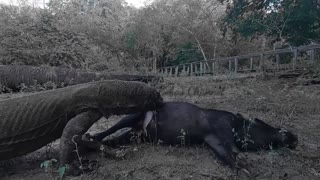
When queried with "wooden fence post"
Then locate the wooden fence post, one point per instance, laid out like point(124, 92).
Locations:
point(235, 65)
point(212, 68)
point(217, 66)
point(184, 69)
point(261, 63)
point(195, 69)
point(170, 72)
point(278, 61)
point(176, 72)
point(251, 63)
point(294, 60)
point(312, 56)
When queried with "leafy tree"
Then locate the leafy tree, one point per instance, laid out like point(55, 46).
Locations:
point(296, 22)
point(101, 21)
point(164, 29)
point(32, 38)
point(187, 53)
point(108, 34)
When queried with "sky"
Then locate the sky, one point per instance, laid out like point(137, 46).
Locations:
point(136, 3)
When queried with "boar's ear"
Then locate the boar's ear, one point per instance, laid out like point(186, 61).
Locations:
point(281, 133)
point(258, 121)
point(239, 116)
point(282, 130)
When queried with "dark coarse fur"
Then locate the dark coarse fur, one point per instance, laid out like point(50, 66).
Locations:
point(253, 135)
point(224, 132)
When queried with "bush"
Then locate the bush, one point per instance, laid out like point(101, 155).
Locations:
point(35, 40)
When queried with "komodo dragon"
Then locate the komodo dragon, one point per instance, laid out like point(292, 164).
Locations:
point(12, 76)
point(30, 122)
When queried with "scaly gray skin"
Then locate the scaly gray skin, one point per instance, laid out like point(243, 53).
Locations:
point(30, 122)
point(12, 76)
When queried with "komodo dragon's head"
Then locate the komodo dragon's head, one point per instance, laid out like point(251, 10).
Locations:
point(121, 97)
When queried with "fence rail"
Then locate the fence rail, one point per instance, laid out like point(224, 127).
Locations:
point(274, 60)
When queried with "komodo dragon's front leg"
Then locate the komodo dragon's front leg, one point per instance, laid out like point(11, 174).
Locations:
point(30, 122)
point(76, 126)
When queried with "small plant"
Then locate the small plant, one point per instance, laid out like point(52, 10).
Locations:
point(316, 67)
point(270, 146)
point(61, 171)
point(182, 137)
point(77, 152)
point(246, 135)
point(48, 167)
point(159, 142)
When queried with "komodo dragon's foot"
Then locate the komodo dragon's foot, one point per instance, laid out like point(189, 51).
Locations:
point(71, 144)
point(81, 165)
point(86, 144)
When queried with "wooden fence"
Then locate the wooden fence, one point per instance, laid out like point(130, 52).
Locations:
point(275, 60)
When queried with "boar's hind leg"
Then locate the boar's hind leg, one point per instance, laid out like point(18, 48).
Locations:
point(76, 126)
point(221, 148)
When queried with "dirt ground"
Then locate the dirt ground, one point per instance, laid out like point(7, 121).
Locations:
point(280, 102)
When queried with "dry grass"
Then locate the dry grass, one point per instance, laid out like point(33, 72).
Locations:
point(278, 102)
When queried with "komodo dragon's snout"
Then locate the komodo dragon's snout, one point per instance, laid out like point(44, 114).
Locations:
point(30, 122)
